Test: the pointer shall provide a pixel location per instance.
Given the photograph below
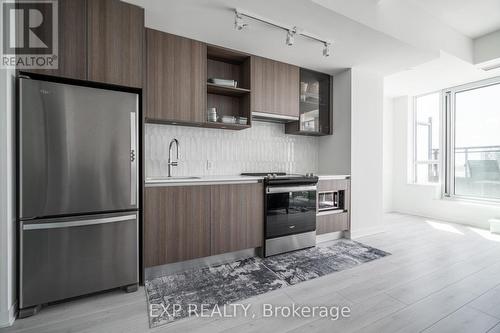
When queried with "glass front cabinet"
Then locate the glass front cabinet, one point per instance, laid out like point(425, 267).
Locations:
point(315, 105)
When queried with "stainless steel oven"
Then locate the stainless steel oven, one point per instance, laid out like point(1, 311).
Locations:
point(290, 208)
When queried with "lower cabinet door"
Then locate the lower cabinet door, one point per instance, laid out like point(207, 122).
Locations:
point(237, 217)
point(176, 224)
point(331, 223)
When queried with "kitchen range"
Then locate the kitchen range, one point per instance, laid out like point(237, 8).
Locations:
point(289, 210)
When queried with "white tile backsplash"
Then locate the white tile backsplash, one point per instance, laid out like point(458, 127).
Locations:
point(261, 148)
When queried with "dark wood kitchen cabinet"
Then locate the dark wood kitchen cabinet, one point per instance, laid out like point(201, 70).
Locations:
point(72, 40)
point(332, 223)
point(237, 219)
point(315, 105)
point(176, 224)
point(334, 220)
point(99, 40)
point(115, 42)
point(275, 87)
point(188, 222)
point(176, 76)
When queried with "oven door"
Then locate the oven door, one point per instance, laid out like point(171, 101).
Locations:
point(290, 210)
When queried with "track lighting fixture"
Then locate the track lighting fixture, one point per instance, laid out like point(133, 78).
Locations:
point(291, 32)
point(326, 49)
point(238, 21)
point(290, 36)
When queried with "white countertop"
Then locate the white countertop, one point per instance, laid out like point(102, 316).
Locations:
point(202, 180)
point(209, 180)
point(332, 177)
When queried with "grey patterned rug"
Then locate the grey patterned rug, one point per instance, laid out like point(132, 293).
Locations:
point(177, 296)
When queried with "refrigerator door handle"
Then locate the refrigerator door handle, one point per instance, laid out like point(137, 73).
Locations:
point(53, 225)
point(133, 159)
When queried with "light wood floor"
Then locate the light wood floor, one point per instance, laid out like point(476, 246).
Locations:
point(440, 278)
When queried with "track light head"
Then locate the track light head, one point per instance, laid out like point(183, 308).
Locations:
point(290, 36)
point(238, 21)
point(326, 49)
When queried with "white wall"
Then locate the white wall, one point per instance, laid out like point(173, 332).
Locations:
point(487, 48)
point(7, 200)
point(388, 153)
point(335, 150)
point(366, 153)
point(425, 200)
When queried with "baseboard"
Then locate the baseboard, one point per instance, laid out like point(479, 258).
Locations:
point(7, 318)
point(329, 236)
point(354, 234)
point(173, 268)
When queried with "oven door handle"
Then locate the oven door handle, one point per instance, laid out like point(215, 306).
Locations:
point(287, 189)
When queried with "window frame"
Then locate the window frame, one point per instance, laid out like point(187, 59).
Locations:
point(449, 129)
point(414, 161)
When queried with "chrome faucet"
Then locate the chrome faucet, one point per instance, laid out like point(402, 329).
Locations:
point(170, 162)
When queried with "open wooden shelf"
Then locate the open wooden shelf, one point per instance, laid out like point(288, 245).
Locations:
point(213, 88)
point(206, 124)
point(228, 64)
point(225, 126)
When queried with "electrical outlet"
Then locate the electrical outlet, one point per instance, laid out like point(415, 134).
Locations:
point(210, 165)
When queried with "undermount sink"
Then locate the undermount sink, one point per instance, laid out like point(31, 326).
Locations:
point(155, 179)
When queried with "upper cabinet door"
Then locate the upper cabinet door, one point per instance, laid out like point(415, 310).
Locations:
point(315, 105)
point(275, 87)
point(72, 53)
point(115, 42)
point(176, 76)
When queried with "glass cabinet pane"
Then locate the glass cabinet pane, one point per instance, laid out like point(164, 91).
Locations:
point(314, 102)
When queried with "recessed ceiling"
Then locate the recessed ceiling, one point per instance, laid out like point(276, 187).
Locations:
point(355, 44)
point(445, 72)
point(473, 18)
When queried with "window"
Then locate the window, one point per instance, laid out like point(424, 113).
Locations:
point(426, 111)
point(473, 140)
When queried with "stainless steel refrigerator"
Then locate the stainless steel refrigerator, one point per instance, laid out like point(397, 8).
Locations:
point(77, 191)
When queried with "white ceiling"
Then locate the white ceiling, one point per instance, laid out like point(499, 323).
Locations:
point(473, 18)
point(420, 45)
point(355, 44)
point(406, 21)
point(445, 72)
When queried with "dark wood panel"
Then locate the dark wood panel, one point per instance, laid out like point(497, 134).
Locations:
point(176, 75)
point(226, 91)
point(176, 224)
point(237, 217)
point(229, 106)
point(220, 53)
point(255, 221)
point(115, 42)
point(332, 184)
point(275, 87)
point(331, 223)
point(224, 70)
point(72, 30)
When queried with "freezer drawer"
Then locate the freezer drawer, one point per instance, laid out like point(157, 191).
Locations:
point(67, 257)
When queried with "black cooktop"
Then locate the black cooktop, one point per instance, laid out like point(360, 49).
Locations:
point(274, 178)
point(263, 174)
